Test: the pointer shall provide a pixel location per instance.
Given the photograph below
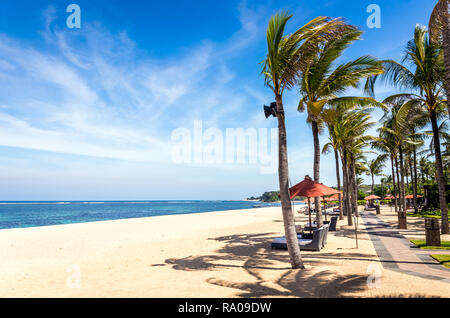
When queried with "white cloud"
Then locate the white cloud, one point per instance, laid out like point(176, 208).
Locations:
point(94, 93)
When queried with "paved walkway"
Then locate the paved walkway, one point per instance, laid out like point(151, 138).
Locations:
point(395, 252)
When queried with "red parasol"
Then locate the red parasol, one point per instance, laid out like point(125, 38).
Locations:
point(372, 197)
point(310, 189)
point(410, 196)
point(334, 197)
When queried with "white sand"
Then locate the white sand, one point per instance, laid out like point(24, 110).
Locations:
point(217, 254)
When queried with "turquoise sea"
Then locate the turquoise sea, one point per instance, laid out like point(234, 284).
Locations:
point(28, 214)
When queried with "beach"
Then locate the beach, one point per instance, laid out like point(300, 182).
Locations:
point(214, 254)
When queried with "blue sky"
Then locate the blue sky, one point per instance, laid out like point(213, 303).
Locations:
point(87, 114)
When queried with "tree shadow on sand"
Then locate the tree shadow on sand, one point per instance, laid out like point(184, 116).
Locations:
point(252, 253)
point(350, 233)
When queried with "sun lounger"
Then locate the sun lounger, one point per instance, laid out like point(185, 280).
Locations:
point(333, 224)
point(334, 212)
point(307, 245)
point(308, 228)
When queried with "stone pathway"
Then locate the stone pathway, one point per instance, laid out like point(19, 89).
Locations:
point(395, 252)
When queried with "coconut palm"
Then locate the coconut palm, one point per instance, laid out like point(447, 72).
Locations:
point(397, 129)
point(440, 33)
point(425, 83)
point(427, 169)
point(327, 149)
point(392, 128)
point(387, 145)
point(348, 128)
point(331, 115)
point(387, 182)
point(356, 167)
point(286, 57)
point(411, 149)
point(321, 82)
point(375, 167)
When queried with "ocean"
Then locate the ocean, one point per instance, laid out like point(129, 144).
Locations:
point(29, 214)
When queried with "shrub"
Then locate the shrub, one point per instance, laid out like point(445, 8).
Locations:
point(361, 195)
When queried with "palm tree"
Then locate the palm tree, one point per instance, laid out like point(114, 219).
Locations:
point(427, 169)
point(331, 115)
point(326, 150)
point(348, 128)
point(375, 168)
point(392, 130)
point(321, 83)
point(398, 130)
point(356, 167)
point(387, 145)
point(426, 83)
point(417, 141)
point(440, 33)
point(387, 182)
point(286, 56)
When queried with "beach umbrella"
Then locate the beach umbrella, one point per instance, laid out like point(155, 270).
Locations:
point(372, 197)
point(310, 189)
point(410, 196)
point(389, 197)
point(334, 197)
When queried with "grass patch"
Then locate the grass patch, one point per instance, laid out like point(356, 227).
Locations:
point(425, 215)
point(443, 259)
point(445, 245)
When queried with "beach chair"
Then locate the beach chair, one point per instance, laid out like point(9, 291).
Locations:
point(308, 228)
point(326, 227)
point(306, 245)
point(333, 224)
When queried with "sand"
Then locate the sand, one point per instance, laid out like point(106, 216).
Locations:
point(217, 254)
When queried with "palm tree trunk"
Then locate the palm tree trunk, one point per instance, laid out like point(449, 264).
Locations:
point(422, 175)
point(414, 178)
point(439, 174)
point(344, 190)
point(398, 185)
point(354, 186)
point(402, 180)
point(373, 184)
point(394, 184)
point(338, 178)
point(446, 46)
point(315, 131)
point(406, 175)
point(283, 176)
point(347, 187)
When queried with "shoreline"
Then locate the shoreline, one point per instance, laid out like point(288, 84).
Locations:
point(132, 218)
point(49, 213)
